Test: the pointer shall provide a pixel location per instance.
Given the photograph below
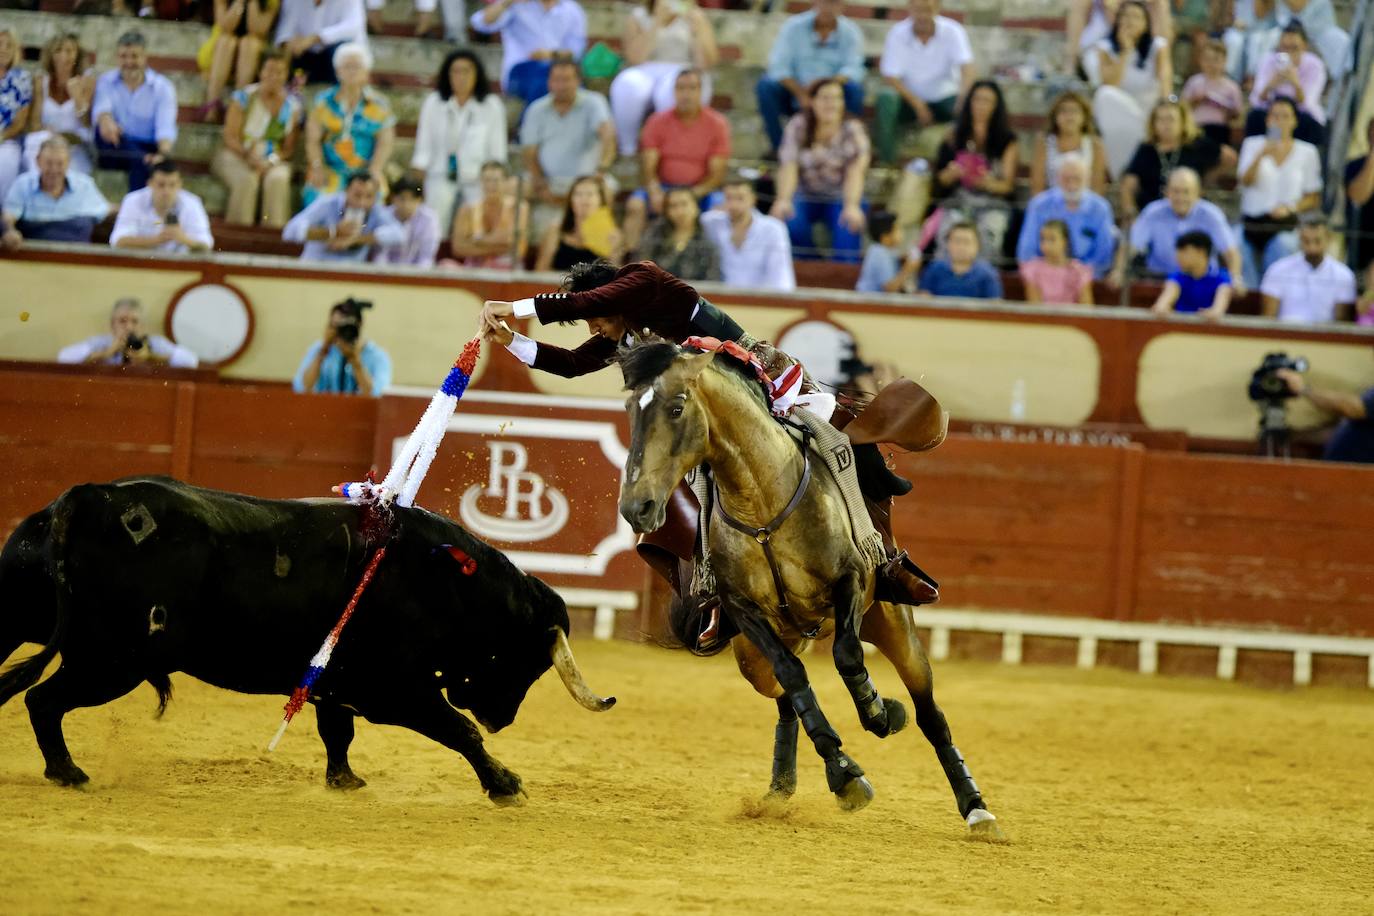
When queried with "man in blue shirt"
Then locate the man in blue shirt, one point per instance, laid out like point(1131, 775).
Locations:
point(811, 46)
point(963, 274)
point(1353, 439)
point(343, 362)
point(1092, 230)
point(346, 226)
point(52, 204)
point(1198, 286)
point(135, 113)
point(1156, 230)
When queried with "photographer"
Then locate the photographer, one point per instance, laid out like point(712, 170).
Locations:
point(346, 226)
point(162, 216)
point(1353, 439)
point(343, 362)
point(128, 344)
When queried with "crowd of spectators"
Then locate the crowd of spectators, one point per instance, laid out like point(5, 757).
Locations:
point(1177, 98)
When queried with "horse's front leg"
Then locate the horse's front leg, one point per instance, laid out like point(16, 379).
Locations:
point(758, 672)
point(879, 716)
point(844, 776)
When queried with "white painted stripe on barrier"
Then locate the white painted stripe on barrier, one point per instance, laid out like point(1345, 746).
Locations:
point(1011, 647)
point(1302, 668)
point(939, 647)
point(1149, 656)
point(1226, 663)
point(1087, 652)
point(603, 624)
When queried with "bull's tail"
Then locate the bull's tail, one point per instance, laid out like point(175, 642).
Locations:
point(20, 677)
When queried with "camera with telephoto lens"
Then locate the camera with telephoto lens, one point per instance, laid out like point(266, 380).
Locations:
point(352, 312)
point(134, 342)
point(1265, 384)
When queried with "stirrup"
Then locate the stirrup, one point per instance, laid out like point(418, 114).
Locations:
point(901, 581)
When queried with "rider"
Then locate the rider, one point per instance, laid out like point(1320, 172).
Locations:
point(642, 298)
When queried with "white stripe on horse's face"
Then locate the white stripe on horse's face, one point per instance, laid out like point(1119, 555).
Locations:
point(646, 397)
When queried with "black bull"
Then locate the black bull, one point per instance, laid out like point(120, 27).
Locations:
point(136, 579)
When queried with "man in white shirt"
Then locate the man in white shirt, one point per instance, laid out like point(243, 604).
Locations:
point(1309, 287)
point(927, 65)
point(128, 344)
point(162, 216)
point(755, 250)
point(310, 31)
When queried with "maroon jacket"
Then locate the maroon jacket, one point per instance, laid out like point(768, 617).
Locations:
point(645, 295)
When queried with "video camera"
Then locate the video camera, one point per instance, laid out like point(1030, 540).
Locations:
point(1271, 394)
point(352, 311)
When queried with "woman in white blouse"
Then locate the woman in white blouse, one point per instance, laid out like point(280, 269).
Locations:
point(62, 102)
point(462, 125)
point(1131, 70)
point(658, 46)
point(1280, 179)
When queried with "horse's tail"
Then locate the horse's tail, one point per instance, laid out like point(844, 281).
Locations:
point(25, 674)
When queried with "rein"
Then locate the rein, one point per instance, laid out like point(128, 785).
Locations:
point(764, 535)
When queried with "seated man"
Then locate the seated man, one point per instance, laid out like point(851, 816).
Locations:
point(1088, 216)
point(962, 273)
point(1198, 286)
point(1155, 232)
point(566, 134)
point(342, 362)
point(345, 226)
point(419, 223)
point(128, 343)
point(755, 250)
point(1353, 439)
point(1309, 287)
point(53, 204)
point(927, 64)
point(817, 44)
point(310, 31)
point(134, 112)
point(686, 146)
point(532, 33)
point(162, 216)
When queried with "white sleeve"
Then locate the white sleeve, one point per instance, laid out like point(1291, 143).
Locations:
point(1250, 149)
point(1348, 291)
point(426, 128)
point(124, 223)
point(890, 64)
point(524, 308)
point(76, 353)
point(198, 226)
point(782, 276)
point(524, 349)
point(1270, 285)
point(965, 52)
point(1312, 172)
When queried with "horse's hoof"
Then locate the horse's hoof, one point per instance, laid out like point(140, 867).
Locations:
point(515, 800)
point(855, 794)
point(897, 718)
point(982, 825)
point(67, 774)
point(345, 781)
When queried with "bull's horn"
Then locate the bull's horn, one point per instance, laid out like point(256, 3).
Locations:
point(572, 677)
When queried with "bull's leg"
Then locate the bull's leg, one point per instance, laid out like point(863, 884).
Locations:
point(71, 688)
point(433, 717)
point(844, 776)
point(759, 673)
point(336, 730)
point(880, 717)
point(890, 627)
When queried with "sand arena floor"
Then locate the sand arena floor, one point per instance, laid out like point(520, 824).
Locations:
point(1120, 794)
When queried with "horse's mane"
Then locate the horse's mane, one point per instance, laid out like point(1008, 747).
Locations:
point(643, 362)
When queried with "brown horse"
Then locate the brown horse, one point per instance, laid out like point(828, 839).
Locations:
point(688, 409)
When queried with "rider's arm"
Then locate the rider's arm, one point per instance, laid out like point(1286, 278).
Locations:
point(589, 357)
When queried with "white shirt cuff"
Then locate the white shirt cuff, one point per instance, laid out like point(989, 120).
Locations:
point(524, 308)
point(524, 349)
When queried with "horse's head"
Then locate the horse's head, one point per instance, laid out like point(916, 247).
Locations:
point(669, 424)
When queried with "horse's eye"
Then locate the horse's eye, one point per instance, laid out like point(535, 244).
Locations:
point(675, 411)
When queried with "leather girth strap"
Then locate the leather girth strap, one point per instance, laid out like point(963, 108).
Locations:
point(764, 535)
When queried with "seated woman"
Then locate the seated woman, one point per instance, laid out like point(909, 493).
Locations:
point(1280, 178)
point(485, 233)
point(259, 139)
point(1056, 277)
point(1172, 140)
point(62, 102)
point(235, 44)
point(1071, 130)
point(976, 168)
point(676, 242)
point(825, 155)
point(658, 46)
point(1131, 70)
point(462, 125)
point(1291, 72)
point(16, 97)
point(586, 232)
point(350, 128)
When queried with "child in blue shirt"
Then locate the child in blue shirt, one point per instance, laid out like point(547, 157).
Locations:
point(962, 274)
point(880, 273)
point(1198, 286)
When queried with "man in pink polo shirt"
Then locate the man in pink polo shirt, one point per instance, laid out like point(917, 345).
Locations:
point(684, 147)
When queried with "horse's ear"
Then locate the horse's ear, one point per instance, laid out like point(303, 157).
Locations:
point(694, 364)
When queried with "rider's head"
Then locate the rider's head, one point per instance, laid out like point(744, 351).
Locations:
point(589, 275)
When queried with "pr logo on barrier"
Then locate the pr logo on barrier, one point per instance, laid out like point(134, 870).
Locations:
point(524, 516)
